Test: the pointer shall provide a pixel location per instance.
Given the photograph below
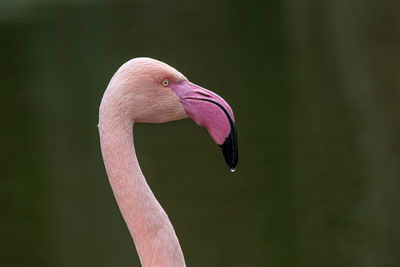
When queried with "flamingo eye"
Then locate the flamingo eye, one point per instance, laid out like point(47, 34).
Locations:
point(165, 82)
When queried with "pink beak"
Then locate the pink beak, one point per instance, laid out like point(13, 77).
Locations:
point(211, 111)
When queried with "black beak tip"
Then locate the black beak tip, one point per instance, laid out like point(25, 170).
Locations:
point(230, 149)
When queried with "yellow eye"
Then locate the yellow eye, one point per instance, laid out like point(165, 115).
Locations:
point(165, 82)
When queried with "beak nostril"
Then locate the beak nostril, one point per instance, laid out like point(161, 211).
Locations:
point(203, 93)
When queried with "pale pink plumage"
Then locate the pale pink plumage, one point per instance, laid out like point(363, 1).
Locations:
point(136, 94)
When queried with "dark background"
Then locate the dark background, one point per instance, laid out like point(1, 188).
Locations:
point(315, 87)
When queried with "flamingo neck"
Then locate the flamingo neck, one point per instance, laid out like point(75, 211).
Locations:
point(148, 224)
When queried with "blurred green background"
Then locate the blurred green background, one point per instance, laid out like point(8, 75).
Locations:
point(315, 87)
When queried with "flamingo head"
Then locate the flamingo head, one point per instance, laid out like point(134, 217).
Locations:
point(155, 92)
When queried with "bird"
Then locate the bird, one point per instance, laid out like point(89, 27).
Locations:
point(146, 90)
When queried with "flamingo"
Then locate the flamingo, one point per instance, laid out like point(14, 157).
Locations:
point(148, 90)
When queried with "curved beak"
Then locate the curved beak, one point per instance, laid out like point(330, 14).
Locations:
point(211, 111)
